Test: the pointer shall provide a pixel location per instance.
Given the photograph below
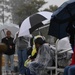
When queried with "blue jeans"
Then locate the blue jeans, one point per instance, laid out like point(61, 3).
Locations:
point(9, 58)
point(69, 70)
point(22, 57)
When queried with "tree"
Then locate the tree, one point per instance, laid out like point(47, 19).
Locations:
point(52, 8)
point(15, 5)
point(25, 9)
point(4, 11)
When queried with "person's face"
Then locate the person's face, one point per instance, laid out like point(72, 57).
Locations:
point(37, 46)
point(8, 33)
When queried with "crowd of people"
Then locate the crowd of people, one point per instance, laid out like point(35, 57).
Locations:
point(33, 54)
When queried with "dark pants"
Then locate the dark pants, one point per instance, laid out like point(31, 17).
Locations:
point(69, 70)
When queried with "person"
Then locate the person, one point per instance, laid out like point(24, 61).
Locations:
point(70, 70)
point(42, 59)
point(3, 48)
point(22, 44)
point(71, 32)
point(9, 53)
point(32, 51)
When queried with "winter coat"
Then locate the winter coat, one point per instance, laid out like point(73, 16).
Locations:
point(9, 42)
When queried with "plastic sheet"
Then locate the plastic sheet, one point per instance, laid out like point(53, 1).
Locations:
point(43, 59)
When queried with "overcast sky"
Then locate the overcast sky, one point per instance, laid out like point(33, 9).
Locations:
point(53, 2)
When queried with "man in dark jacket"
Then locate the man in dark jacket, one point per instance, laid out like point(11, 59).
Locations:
point(9, 53)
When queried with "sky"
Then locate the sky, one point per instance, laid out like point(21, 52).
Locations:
point(52, 2)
